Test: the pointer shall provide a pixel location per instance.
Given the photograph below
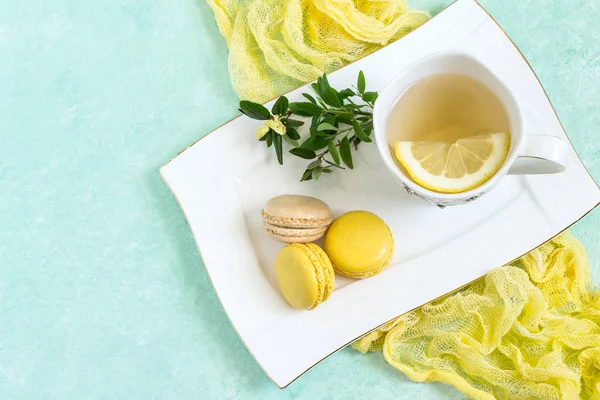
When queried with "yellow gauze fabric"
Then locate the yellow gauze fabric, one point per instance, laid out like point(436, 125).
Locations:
point(278, 45)
point(526, 331)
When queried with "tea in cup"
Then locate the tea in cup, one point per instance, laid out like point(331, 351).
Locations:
point(449, 129)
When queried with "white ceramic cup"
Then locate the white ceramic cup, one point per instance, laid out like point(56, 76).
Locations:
point(529, 153)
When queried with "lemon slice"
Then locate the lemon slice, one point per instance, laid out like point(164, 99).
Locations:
point(454, 167)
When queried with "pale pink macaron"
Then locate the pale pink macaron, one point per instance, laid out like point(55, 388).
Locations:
point(296, 219)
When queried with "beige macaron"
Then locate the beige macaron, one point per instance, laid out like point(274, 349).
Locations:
point(296, 218)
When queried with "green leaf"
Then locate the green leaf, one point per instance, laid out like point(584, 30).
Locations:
point(354, 106)
point(315, 143)
point(309, 97)
point(333, 151)
point(344, 94)
point(326, 134)
point(316, 174)
point(370, 97)
point(326, 127)
point(327, 170)
point(315, 86)
point(292, 133)
point(305, 109)
point(356, 143)
point(360, 133)
point(323, 85)
point(313, 132)
point(281, 106)
point(288, 122)
point(330, 119)
point(346, 152)
point(269, 137)
point(314, 164)
point(307, 176)
point(277, 142)
point(254, 110)
point(344, 118)
point(291, 141)
point(315, 121)
point(330, 97)
point(361, 84)
point(301, 152)
point(369, 129)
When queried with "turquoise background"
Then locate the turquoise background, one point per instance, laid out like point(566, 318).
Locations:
point(102, 292)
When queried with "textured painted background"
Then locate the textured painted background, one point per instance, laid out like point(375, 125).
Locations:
point(102, 293)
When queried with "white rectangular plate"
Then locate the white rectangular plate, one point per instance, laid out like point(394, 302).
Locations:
point(437, 250)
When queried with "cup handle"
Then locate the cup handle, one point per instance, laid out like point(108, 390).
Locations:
point(541, 154)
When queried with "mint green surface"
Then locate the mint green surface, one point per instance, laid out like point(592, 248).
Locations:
point(102, 292)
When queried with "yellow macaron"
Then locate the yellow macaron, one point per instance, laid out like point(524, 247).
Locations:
point(305, 275)
point(359, 244)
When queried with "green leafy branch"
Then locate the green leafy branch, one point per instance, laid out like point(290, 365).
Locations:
point(340, 121)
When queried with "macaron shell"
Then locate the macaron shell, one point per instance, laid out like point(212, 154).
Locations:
point(296, 211)
point(326, 267)
point(297, 277)
point(375, 271)
point(294, 235)
point(359, 244)
point(315, 253)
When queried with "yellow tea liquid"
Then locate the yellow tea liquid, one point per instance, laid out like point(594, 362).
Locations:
point(445, 108)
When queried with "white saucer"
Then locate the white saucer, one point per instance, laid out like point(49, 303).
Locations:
point(222, 181)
